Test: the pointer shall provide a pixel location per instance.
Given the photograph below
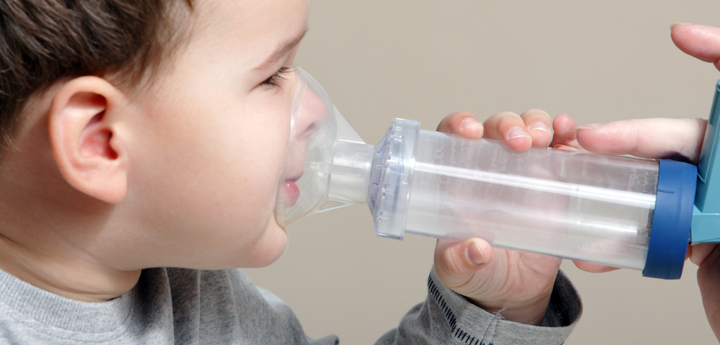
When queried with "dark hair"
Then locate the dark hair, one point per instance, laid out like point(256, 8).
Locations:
point(43, 41)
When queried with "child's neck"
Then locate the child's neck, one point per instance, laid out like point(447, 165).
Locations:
point(51, 246)
point(73, 276)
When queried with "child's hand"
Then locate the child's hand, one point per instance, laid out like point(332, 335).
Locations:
point(492, 278)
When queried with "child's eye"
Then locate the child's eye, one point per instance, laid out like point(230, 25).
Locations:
point(278, 77)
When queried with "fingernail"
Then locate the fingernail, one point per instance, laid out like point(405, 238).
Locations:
point(539, 126)
point(469, 123)
point(517, 132)
point(475, 254)
point(590, 126)
point(471, 127)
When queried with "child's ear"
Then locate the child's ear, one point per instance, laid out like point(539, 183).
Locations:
point(86, 142)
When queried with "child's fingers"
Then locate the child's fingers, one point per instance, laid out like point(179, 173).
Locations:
point(457, 262)
point(461, 123)
point(594, 268)
point(539, 125)
point(509, 127)
point(565, 129)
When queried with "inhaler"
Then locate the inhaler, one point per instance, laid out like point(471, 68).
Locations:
point(616, 211)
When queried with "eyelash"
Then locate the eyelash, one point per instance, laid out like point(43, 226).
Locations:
point(278, 77)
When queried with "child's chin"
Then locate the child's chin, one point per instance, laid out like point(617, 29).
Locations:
point(270, 248)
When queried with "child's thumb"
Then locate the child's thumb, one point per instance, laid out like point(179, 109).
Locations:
point(457, 262)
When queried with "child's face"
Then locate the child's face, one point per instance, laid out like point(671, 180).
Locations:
point(212, 139)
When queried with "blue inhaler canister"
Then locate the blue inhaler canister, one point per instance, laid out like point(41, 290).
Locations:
point(617, 211)
point(706, 214)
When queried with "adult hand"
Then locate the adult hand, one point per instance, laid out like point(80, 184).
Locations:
point(495, 279)
point(679, 139)
point(703, 42)
point(647, 138)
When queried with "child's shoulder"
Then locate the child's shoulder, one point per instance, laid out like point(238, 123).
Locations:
point(168, 305)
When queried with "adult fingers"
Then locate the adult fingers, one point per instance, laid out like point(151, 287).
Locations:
point(700, 41)
point(679, 139)
point(700, 252)
point(707, 256)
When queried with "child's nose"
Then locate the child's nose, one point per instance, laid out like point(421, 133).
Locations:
point(310, 113)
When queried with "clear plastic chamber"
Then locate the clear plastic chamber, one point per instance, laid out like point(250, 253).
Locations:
point(568, 204)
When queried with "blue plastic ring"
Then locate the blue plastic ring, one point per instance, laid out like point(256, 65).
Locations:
point(672, 217)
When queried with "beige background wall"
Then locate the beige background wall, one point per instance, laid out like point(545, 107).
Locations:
point(595, 60)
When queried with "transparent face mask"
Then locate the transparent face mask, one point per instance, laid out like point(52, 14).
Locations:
point(327, 162)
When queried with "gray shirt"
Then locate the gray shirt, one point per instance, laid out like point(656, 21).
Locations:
point(182, 306)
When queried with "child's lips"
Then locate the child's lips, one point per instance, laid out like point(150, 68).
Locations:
point(292, 192)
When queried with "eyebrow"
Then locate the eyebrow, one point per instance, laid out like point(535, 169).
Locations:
point(284, 48)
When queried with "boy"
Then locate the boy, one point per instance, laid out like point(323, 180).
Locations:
point(146, 134)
